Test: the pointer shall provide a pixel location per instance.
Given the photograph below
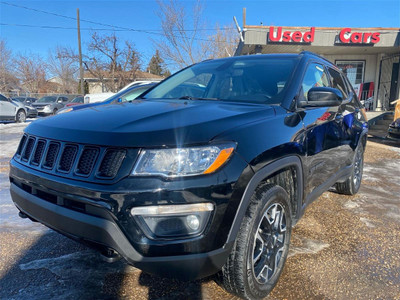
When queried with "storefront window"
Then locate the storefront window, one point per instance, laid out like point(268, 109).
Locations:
point(354, 70)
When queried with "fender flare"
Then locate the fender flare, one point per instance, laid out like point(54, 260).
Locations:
point(290, 161)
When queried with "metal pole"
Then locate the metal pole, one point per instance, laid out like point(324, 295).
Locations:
point(80, 53)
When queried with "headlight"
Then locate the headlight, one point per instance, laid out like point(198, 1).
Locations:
point(61, 111)
point(183, 161)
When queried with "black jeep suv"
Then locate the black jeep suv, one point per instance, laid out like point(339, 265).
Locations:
point(206, 172)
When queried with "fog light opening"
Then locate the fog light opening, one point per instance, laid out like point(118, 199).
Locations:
point(193, 222)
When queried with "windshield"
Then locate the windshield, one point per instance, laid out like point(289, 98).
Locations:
point(19, 99)
point(258, 79)
point(47, 99)
point(128, 94)
point(77, 100)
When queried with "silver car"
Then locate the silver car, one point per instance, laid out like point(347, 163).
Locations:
point(12, 110)
point(49, 105)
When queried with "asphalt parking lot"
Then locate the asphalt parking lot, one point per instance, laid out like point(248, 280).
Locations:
point(345, 247)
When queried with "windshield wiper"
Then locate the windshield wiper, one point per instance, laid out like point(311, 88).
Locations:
point(196, 98)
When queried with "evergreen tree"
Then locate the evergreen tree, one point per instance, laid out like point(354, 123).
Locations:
point(157, 66)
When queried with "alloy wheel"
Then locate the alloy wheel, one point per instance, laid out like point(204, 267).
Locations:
point(269, 243)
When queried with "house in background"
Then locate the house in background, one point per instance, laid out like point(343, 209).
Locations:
point(97, 86)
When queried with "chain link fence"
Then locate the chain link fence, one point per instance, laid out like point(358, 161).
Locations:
point(17, 93)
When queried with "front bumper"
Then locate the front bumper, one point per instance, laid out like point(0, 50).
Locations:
point(97, 213)
point(394, 132)
point(105, 232)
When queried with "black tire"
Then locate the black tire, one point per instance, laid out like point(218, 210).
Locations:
point(258, 246)
point(55, 111)
point(353, 183)
point(21, 116)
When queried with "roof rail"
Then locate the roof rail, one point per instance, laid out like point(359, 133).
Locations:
point(317, 55)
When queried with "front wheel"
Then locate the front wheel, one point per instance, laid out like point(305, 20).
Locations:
point(353, 183)
point(54, 111)
point(262, 245)
point(21, 116)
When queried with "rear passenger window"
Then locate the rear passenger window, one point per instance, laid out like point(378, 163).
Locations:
point(337, 82)
point(315, 76)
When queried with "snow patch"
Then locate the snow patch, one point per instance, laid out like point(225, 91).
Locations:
point(308, 246)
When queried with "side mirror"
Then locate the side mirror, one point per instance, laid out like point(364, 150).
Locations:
point(321, 97)
point(119, 100)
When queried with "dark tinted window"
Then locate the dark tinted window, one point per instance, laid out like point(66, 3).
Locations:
point(244, 79)
point(337, 82)
point(314, 76)
point(2, 98)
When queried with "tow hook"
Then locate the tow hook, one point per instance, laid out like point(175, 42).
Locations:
point(110, 255)
point(25, 216)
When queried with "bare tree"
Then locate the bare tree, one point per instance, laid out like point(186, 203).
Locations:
point(8, 80)
point(31, 71)
point(223, 43)
point(181, 46)
point(63, 65)
point(185, 39)
point(114, 66)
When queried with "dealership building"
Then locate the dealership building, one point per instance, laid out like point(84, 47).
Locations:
point(369, 56)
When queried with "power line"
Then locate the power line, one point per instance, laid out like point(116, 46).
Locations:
point(151, 31)
point(62, 27)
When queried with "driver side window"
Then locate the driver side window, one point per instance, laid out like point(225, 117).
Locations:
point(314, 76)
point(2, 98)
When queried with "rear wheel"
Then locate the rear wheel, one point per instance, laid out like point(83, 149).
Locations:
point(21, 116)
point(54, 111)
point(261, 247)
point(353, 183)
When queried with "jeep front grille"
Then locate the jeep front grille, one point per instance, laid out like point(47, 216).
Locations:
point(70, 159)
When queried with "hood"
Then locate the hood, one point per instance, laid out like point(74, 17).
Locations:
point(86, 105)
point(42, 103)
point(149, 123)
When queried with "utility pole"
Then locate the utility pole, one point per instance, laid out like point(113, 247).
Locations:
point(80, 53)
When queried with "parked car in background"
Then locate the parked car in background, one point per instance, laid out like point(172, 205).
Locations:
point(93, 98)
point(124, 95)
point(12, 110)
point(76, 101)
point(140, 82)
point(394, 127)
point(25, 100)
point(30, 110)
point(49, 105)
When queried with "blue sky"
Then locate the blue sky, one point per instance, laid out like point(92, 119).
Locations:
point(142, 15)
